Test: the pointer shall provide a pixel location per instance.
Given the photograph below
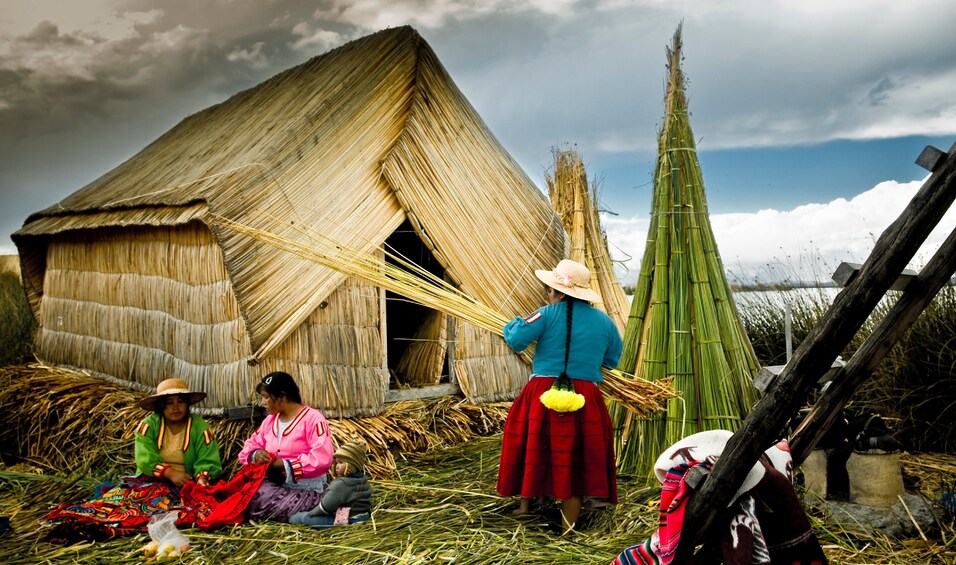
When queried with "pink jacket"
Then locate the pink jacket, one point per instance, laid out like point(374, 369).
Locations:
point(306, 443)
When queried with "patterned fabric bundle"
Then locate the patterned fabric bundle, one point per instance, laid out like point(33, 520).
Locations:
point(765, 523)
point(661, 546)
point(116, 510)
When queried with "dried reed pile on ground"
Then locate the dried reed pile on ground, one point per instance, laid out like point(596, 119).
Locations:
point(61, 421)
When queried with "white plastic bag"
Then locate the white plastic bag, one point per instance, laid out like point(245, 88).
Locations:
point(169, 541)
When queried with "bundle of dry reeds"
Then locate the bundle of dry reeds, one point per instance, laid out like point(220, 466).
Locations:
point(421, 364)
point(683, 323)
point(411, 281)
point(575, 201)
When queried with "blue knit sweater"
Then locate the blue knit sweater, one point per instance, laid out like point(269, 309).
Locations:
point(595, 340)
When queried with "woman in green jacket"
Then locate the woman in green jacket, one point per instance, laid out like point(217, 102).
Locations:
point(173, 444)
point(172, 447)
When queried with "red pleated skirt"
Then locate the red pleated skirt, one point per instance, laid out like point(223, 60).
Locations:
point(558, 454)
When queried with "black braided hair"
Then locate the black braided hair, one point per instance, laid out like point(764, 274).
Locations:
point(567, 344)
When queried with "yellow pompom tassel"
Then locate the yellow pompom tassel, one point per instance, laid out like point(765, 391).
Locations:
point(562, 400)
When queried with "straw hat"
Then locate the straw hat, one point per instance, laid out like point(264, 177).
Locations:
point(171, 387)
point(570, 278)
point(354, 454)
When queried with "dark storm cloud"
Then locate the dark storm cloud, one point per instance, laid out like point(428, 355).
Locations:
point(880, 93)
point(75, 104)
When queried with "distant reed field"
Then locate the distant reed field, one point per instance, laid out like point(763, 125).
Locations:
point(17, 326)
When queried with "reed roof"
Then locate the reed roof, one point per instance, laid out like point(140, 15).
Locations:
point(353, 141)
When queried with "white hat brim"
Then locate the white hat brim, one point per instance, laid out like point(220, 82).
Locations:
point(700, 446)
point(579, 292)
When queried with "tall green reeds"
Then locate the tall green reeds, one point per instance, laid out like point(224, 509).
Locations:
point(683, 323)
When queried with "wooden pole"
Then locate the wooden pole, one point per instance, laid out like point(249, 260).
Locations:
point(918, 294)
point(826, 340)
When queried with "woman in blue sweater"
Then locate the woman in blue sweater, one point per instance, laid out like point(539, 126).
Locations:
point(562, 451)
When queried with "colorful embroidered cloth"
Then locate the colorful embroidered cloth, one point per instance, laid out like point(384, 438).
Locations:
point(116, 510)
point(766, 525)
point(661, 546)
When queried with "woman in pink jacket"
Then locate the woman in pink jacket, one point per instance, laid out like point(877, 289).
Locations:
point(295, 440)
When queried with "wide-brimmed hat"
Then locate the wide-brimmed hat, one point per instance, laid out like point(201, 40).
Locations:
point(710, 444)
point(570, 278)
point(171, 387)
point(354, 454)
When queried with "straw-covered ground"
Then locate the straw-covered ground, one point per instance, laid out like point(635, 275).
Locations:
point(435, 505)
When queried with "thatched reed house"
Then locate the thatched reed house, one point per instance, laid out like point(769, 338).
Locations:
point(135, 278)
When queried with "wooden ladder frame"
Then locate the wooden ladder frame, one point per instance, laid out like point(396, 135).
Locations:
point(893, 250)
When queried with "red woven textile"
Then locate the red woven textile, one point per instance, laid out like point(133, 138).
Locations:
point(224, 503)
point(548, 453)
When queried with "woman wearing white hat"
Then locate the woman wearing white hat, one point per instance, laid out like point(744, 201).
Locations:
point(173, 444)
point(558, 440)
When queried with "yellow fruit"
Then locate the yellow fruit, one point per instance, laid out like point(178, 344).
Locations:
point(151, 549)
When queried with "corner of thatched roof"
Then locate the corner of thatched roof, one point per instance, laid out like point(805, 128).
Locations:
point(315, 146)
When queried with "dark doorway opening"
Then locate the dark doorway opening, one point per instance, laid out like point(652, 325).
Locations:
point(403, 317)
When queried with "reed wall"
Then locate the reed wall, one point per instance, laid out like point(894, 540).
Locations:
point(424, 358)
point(143, 304)
point(336, 353)
point(486, 368)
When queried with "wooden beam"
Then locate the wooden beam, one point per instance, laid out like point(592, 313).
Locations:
point(846, 271)
point(878, 344)
point(767, 376)
point(433, 391)
point(930, 158)
point(826, 340)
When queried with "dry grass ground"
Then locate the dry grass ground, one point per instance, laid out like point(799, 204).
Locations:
point(434, 505)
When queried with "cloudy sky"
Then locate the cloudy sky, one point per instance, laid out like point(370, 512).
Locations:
point(808, 114)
